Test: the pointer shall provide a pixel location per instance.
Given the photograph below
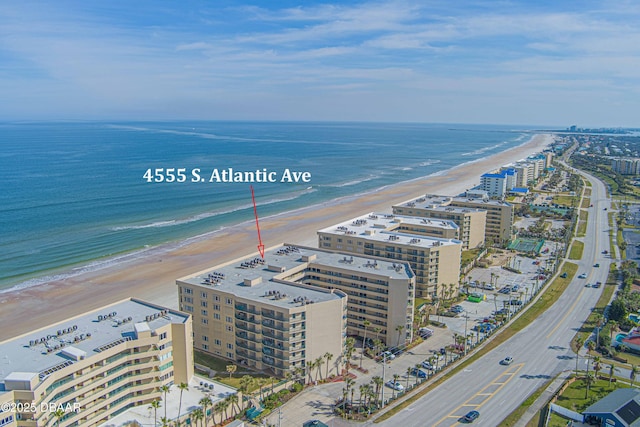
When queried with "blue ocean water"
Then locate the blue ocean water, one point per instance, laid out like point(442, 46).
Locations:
point(74, 193)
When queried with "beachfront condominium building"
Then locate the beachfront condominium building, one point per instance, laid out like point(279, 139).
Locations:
point(499, 214)
point(95, 365)
point(282, 312)
point(435, 261)
point(626, 166)
point(470, 221)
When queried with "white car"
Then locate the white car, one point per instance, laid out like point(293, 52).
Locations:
point(582, 276)
point(395, 385)
point(506, 361)
point(427, 365)
point(388, 355)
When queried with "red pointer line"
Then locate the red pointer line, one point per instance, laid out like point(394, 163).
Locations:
point(255, 212)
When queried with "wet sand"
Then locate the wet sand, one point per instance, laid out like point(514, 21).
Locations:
point(153, 277)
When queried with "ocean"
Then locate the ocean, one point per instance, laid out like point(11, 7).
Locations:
point(77, 196)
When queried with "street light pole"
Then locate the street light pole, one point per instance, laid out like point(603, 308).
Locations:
point(466, 317)
point(384, 364)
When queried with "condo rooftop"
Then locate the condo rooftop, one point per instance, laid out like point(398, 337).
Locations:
point(387, 222)
point(49, 349)
point(276, 277)
point(432, 201)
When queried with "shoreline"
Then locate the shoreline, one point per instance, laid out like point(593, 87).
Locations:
point(151, 274)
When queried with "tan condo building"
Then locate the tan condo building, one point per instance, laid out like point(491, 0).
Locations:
point(434, 261)
point(499, 216)
point(94, 366)
point(284, 311)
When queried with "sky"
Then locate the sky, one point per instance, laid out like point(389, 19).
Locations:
point(536, 62)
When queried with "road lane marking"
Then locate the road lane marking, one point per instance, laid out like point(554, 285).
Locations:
point(485, 397)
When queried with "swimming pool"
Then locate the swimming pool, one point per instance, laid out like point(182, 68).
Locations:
point(634, 317)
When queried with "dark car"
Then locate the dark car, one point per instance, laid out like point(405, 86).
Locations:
point(471, 416)
point(515, 302)
point(564, 275)
point(418, 373)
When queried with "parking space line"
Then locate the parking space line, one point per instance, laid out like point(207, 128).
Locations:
point(487, 396)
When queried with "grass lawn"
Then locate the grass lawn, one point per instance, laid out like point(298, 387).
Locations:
point(620, 238)
point(574, 396)
point(586, 202)
point(564, 200)
point(576, 250)
point(589, 324)
point(582, 229)
point(220, 366)
point(469, 256)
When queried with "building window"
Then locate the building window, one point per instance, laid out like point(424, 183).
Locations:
point(230, 346)
point(229, 328)
point(216, 307)
point(205, 321)
point(205, 346)
point(187, 299)
point(203, 295)
point(229, 301)
point(188, 291)
point(205, 338)
point(203, 312)
point(218, 342)
point(216, 298)
point(230, 355)
point(216, 316)
point(229, 319)
point(163, 336)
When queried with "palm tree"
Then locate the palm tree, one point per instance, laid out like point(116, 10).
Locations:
point(166, 422)
point(310, 367)
point(612, 369)
point(205, 402)
point(327, 357)
point(245, 384)
point(219, 407)
point(165, 389)
point(363, 392)
point(59, 413)
point(225, 405)
point(408, 376)
point(396, 377)
point(365, 324)
point(596, 365)
point(197, 415)
point(588, 379)
point(261, 382)
point(632, 374)
point(155, 404)
point(231, 369)
point(399, 329)
point(378, 382)
point(182, 387)
point(233, 400)
point(418, 366)
point(318, 364)
point(579, 344)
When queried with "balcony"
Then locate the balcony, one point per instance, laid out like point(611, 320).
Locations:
point(246, 327)
point(276, 345)
point(274, 315)
point(245, 344)
point(278, 336)
point(274, 325)
point(246, 309)
point(247, 318)
point(270, 361)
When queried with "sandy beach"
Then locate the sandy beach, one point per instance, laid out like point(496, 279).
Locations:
point(152, 278)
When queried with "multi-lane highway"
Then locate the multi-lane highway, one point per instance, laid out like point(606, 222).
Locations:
point(540, 351)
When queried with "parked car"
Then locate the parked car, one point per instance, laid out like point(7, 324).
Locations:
point(505, 290)
point(488, 287)
point(471, 416)
point(387, 355)
point(427, 365)
point(502, 311)
point(457, 309)
point(507, 360)
point(395, 385)
point(314, 423)
point(515, 302)
point(425, 332)
point(483, 327)
point(418, 373)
